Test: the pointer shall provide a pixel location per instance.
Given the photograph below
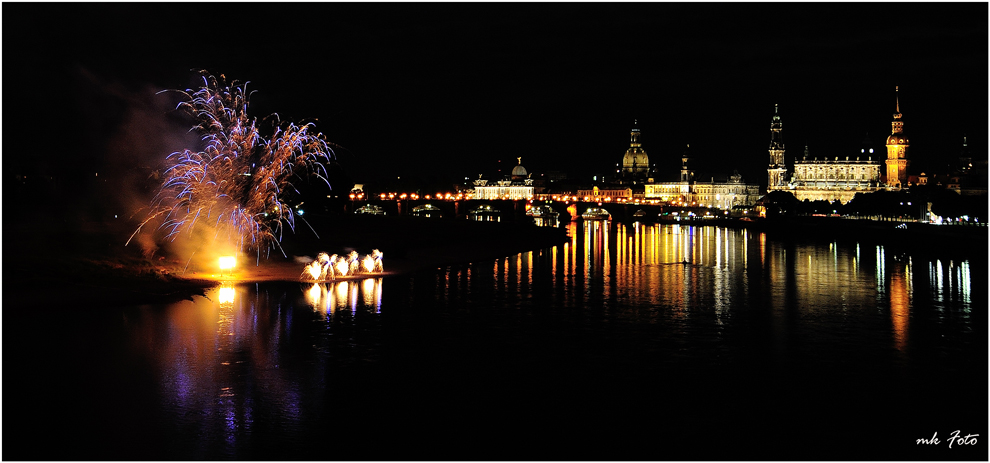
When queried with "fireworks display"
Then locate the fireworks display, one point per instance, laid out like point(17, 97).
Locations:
point(238, 185)
point(328, 267)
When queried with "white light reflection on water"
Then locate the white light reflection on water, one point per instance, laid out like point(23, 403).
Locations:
point(951, 279)
point(967, 283)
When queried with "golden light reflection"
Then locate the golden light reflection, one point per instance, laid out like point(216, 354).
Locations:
point(340, 295)
point(529, 265)
point(519, 268)
point(226, 295)
point(900, 296)
point(354, 297)
point(315, 295)
point(763, 250)
point(371, 292)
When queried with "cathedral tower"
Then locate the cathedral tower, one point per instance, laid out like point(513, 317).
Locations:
point(897, 145)
point(777, 170)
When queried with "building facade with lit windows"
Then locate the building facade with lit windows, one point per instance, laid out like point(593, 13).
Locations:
point(605, 194)
point(690, 192)
point(720, 195)
point(519, 186)
point(838, 178)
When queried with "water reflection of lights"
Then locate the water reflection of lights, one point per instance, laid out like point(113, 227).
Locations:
point(951, 280)
point(763, 249)
point(331, 297)
point(937, 278)
point(966, 281)
point(372, 291)
point(697, 271)
point(315, 296)
point(900, 300)
point(226, 295)
point(881, 269)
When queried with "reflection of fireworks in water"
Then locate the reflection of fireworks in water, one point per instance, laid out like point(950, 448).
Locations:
point(342, 295)
point(226, 295)
point(240, 181)
point(327, 267)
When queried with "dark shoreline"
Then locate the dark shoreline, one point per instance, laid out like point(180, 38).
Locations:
point(413, 244)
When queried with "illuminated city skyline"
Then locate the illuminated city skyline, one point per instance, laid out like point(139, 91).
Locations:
point(450, 90)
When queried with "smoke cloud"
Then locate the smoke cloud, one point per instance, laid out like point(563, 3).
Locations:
point(128, 132)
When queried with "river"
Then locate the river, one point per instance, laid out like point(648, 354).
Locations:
point(631, 341)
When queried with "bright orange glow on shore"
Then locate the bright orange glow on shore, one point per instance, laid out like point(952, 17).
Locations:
point(227, 262)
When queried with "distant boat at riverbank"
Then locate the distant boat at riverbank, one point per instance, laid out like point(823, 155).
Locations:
point(596, 213)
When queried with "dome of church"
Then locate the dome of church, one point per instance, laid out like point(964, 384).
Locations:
point(519, 171)
point(635, 163)
point(635, 160)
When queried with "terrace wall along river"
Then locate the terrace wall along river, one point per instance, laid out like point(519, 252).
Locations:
point(631, 341)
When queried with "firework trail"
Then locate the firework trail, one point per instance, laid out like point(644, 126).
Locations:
point(240, 181)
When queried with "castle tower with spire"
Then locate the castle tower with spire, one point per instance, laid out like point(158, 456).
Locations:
point(777, 170)
point(897, 145)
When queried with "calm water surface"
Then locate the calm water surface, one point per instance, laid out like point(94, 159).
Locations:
point(629, 342)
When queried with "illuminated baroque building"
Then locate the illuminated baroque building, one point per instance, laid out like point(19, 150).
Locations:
point(519, 185)
point(835, 178)
point(605, 194)
point(690, 192)
point(897, 145)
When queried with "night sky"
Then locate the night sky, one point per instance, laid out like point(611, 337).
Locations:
point(447, 91)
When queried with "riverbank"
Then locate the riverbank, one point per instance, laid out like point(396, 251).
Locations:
point(407, 243)
point(87, 264)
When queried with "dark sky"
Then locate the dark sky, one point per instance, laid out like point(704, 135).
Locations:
point(449, 90)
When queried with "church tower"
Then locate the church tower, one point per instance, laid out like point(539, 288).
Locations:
point(635, 164)
point(777, 170)
point(897, 145)
point(687, 175)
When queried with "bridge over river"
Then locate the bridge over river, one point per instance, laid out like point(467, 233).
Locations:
point(515, 210)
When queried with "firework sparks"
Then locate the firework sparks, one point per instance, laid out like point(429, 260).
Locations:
point(240, 182)
point(328, 267)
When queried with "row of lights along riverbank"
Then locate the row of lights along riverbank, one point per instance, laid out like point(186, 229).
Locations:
point(531, 199)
